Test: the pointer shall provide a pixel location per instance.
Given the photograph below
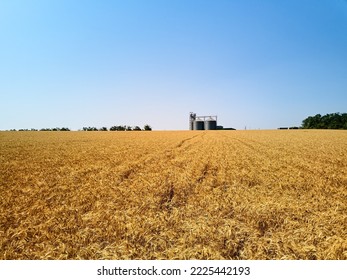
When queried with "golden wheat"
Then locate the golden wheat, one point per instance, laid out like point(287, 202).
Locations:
point(173, 195)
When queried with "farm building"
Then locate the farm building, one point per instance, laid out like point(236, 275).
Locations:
point(204, 123)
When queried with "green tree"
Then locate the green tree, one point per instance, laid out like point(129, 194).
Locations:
point(328, 121)
point(344, 121)
point(147, 128)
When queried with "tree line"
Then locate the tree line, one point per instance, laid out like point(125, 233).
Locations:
point(328, 121)
point(119, 128)
point(43, 129)
point(92, 128)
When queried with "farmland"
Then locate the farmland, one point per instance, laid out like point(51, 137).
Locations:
point(173, 195)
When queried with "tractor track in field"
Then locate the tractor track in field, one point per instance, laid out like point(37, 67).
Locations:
point(168, 155)
point(188, 139)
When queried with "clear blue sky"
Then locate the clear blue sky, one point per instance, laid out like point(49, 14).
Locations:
point(260, 64)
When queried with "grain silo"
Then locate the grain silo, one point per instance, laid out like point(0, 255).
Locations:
point(199, 124)
point(210, 124)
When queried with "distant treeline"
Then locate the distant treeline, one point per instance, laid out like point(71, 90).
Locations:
point(118, 128)
point(328, 121)
point(43, 129)
point(89, 128)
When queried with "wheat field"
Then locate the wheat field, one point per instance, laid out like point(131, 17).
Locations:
point(174, 195)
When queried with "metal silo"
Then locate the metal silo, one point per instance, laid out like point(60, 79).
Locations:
point(210, 125)
point(198, 125)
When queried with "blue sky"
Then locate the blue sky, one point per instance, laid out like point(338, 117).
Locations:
point(259, 64)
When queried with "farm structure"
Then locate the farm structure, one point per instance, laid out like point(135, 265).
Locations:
point(204, 123)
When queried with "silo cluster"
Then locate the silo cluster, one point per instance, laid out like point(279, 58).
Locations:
point(202, 122)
